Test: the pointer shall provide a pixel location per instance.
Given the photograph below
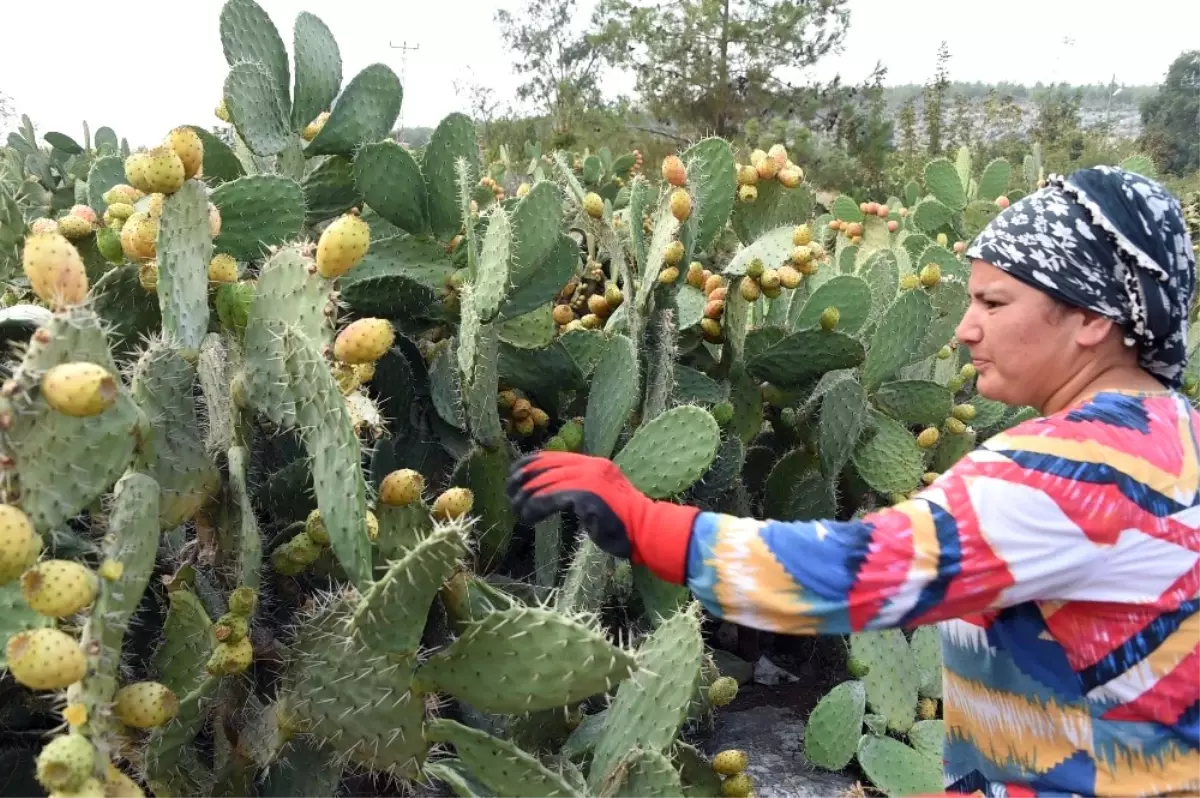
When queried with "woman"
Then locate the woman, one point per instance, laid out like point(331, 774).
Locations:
point(1060, 557)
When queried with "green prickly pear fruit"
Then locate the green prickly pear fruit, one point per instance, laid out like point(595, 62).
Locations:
point(593, 205)
point(955, 427)
point(121, 194)
point(364, 341)
point(79, 389)
point(59, 588)
point(968, 371)
point(928, 438)
point(555, 444)
point(401, 488)
point(222, 268)
point(927, 708)
point(243, 601)
point(66, 762)
point(231, 627)
point(739, 786)
point(233, 301)
point(453, 503)
point(944, 353)
point(857, 668)
point(929, 477)
point(731, 761)
point(342, 245)
point(931, 275)
point(189, 148)
point(755, 269)
point(722, 691)
point(156, 170)
point(830, 318)
point(297, 554)
point(571, 433)
point(723, 412)
point(74, 228)
point(55, 270)
point(909, 281)
point(613, 296)
point(773, 395)
point(963, 412)
point(109, 243)
point(19, 544)
point(230, 658)
point(145, 705)
point(314, 527)
point(45, 659)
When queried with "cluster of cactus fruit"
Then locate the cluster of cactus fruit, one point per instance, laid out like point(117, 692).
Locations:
point(254, 533)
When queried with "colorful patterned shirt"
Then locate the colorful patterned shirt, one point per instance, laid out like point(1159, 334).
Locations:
point(1060, 561)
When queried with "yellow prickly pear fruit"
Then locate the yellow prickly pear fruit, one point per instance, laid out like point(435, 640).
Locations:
point(942, 239)
point(222, 268)
point(747, 193)
point(695, 274)
point(674, 253)
point(402, 487)
point(778, 153)
point(747, 175)
point(59, 588)
point(121, 194)
point(722, 691)
point(55, 270)
point(155, 205)
point(539, 417)
point(927, 708)
point(118, 785)
point(120, 210)
point(214, 220)
point(750, 290)
point(110, 570)
point(75, 715)
point(963, 412)
point(221, 111)
point(680, 204)
point(739, 786)
point(139, 236)
point(790, 177)
point(768, 168)
point(453, 503)
point(802, 236)
point(79, 389)
point(230, 658)
point(43, 225)
point(157, 170)
point(968, 371)
point(955, 427)
point(593, 204)
point(45, 659)
point(314, 127)
point(74, 228)
point(613, 296)
point(769, 279)
point(789, 277)
point(673, 171)
point(730, 762)
point(711, 328)
point(931, 275)
point(342, 245)
point(372, 526)
point(91, 788)
point(928, 438)
point(909, 281)
point(314, 527)
point(522, 190)
point(148, 275)
point(524, 426)
point(243, 601)
point(364, 341)
point(66, 762)
point(19, 544)
point(757, 157)
point(190, 149)
point(145, 705)
point(830, 318)
point(668, 275)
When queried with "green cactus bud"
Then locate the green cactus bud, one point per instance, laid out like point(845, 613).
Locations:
point(722, 691)
point(963, 412)
point(65, 763)
point(857, 668)
point(830, 318)
point(243, 601)
point(944, 353)
point(968, 371)
point(723, 412)
point(571, 433)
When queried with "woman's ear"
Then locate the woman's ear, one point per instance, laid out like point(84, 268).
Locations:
point(1095, 329)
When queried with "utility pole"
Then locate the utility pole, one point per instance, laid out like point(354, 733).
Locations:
point(404, 48)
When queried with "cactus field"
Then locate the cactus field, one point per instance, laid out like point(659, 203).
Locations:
point(262, 388)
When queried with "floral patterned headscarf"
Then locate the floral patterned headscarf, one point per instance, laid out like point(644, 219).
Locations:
point(1110, 241)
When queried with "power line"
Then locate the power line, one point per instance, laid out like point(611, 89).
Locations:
point(404, 48)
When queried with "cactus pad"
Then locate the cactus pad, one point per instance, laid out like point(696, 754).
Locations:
point(613, 395)
point(366, 111)
point(248, 35)
point(849, 294)
point(943, 181)
point(255, 110)
point(892, 677)
point(318, 69)
point(713, 183)
point(453, 138)
point(896, 769)
point(329, 191)
point(928, 737)
point(257, 212)
point(888, 459)
point(994, 180)
point(556, 661)
point(184, 249)
point(671, 452)
point(914, 401)
point(390, 181)
point(930, 215)
point(776, 206)
point(835, 725)
point(805, 355)
point(843, 418)
point(507, 770)
point(899, 338)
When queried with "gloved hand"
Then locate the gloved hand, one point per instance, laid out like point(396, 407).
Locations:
point(619, 518)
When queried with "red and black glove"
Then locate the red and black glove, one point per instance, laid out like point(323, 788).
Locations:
point(619, 518)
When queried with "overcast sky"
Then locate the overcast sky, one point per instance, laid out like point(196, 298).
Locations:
point(153, 64)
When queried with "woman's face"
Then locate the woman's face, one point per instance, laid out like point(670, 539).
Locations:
point(1021, 341)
